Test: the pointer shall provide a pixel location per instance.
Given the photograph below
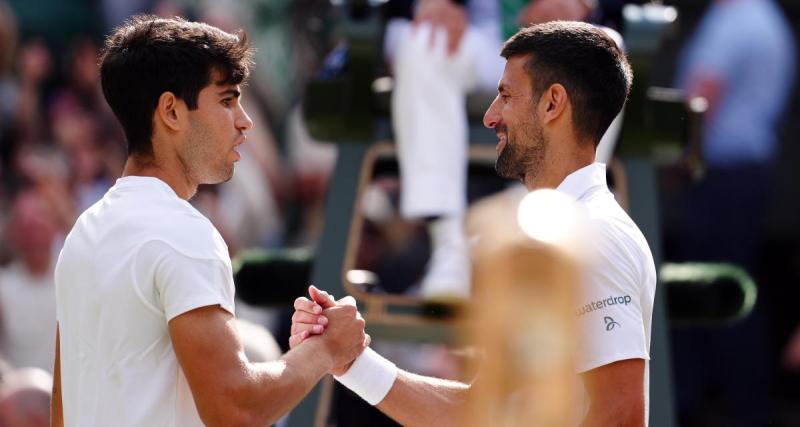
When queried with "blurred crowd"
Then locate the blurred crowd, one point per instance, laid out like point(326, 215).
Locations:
point(61, 149)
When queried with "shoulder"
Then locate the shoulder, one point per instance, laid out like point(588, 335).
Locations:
point(187, 231)
point(617, 242)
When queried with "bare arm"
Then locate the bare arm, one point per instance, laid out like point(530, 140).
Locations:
point(413, 400)
point(228, 390)
point(616, 391)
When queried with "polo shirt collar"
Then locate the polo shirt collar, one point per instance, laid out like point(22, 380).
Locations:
point(578, 183)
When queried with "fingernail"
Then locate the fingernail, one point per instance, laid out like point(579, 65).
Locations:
point(318, 329)
point(322, 320)
point(317, 309)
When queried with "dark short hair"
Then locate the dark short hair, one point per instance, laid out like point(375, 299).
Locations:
point(147, 56)
point(582, 58)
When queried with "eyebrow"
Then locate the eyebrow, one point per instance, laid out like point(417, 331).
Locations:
point(233, 92)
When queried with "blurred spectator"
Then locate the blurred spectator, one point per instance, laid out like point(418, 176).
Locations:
point(741, 62)
point(25, 398)
point(27, 293)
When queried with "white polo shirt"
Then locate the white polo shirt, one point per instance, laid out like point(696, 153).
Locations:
point(133, 261)
point(616, 307)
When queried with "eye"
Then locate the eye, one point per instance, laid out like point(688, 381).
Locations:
point(227, 102)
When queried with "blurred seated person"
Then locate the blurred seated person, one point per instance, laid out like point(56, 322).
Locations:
point(27, 290)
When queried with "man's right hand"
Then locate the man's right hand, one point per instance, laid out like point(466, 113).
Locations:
point(344, 336)
point(313, 317)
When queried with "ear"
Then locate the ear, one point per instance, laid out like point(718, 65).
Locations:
point(168, 111)
point(553, 103)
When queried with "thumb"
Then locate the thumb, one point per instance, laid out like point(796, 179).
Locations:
point(322, 298)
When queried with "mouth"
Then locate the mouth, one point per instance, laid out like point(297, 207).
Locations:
point(239, 141)
point(501, 145)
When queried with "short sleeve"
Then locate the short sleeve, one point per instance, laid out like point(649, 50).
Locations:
point(611, 326)
point(183, 282)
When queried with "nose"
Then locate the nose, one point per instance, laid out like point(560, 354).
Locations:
point(243, 121)
point(492, 116)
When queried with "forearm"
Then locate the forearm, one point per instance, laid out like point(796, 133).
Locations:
point(265, 392)
point(415, 400)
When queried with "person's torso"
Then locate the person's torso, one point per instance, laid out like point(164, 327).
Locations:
point(118, 364)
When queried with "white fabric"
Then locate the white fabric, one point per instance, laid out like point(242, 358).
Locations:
point(616, 307)
point(27, 318)
point(133, 261)
point(429, 112)
point(371, 376)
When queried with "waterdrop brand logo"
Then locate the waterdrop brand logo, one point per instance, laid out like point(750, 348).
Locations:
point(610, 323)
point(603, 303)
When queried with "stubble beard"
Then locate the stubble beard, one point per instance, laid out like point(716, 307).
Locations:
point(523, 155)
point(205, 164)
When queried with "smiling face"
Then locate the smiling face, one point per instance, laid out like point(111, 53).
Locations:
point(521, 149)
point(216, 127)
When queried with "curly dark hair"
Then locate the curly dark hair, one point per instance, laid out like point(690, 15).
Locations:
point(582, 58)
point(148, 55)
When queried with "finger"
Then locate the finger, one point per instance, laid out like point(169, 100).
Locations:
point(296, 339)
point(367, 340)
point(305, 304)
point(321, 297)
point(305, 327)
point(307, 318)
point(348, 300)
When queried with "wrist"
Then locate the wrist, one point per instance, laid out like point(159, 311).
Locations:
point(321, 352)
point(371, 376)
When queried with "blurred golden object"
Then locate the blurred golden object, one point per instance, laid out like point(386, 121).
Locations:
point(522, 316)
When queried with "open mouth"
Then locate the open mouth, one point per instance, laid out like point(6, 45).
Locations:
point(501, 145)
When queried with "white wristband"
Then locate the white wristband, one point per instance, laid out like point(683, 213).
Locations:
point(371, 376)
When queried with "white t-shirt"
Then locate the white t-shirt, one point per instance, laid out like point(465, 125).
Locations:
point(133, 261)
point(616, 308)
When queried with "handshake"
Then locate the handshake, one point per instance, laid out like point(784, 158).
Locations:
point(339, 328)
point(337, 324)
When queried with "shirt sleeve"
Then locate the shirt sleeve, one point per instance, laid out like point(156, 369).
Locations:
point(184, 282)
point(610, 322)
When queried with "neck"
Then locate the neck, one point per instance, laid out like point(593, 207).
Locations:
point(557, 167)
point(183, 186)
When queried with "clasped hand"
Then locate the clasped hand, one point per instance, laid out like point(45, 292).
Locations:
point(337, 323)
